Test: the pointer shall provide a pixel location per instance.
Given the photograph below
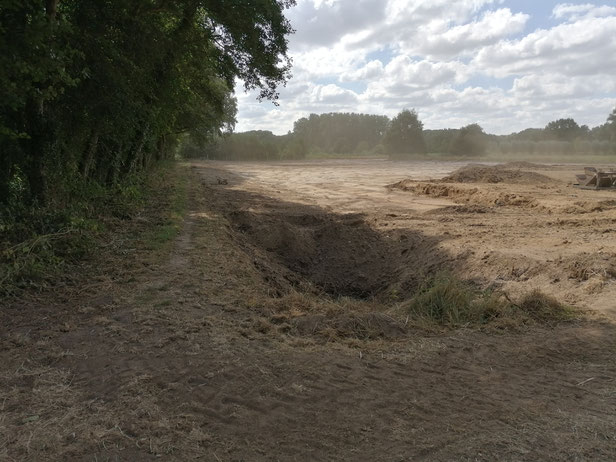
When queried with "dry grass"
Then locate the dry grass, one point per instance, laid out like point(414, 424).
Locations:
point(326, 318)
point(444, 301)
point(448, 301)
point(544, 309)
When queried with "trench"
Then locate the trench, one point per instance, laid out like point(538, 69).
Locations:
point(306, 247)
point(342, 255)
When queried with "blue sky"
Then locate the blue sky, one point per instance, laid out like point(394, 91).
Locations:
point(505, 64)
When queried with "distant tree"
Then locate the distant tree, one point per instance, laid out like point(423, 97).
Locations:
point(563, 129)
point(611, 119)
point(611, 125)
point(439, 141)
point(340, 133)
point(405, 134)
point(470, 140)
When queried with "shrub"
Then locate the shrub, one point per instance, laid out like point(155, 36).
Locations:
point(450, 301)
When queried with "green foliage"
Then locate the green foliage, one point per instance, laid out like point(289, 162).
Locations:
point(470, 140)
point(96, 91)
point(449, 301)
point(563, 129)
point(404, 134)
point(252, 145)
point(343, 135)
point(38, 243)
point(439, 141)
point(340, 133)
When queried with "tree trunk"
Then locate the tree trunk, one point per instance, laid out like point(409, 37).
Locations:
point(90, 153)
point(40, 131)
point(51, 9)
point(136, 162)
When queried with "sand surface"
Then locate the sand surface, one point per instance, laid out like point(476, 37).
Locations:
point(538, 234)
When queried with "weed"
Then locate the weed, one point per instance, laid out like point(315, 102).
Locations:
point(38, 242)
point(449, 301)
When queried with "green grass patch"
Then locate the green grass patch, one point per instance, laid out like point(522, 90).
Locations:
point(39, 244)
point(166, 231)
point(445, 300)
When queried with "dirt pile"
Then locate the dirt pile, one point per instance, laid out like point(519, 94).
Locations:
point(523, 164)
point(467, 195)
point(497, 174)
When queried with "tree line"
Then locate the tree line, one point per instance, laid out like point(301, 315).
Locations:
point(94, 91)
point(403, 136)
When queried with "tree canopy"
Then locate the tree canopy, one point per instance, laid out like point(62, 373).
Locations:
point(405, 134)
point(97, 90)
point(563, 129)
point(340, 132)
point(470, 140)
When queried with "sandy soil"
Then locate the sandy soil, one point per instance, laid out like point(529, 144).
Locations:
point(233, 343)
point(534, 234)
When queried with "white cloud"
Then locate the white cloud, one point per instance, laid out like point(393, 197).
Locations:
point(556, 86)
point(454, 62)
point(333, 94)
point(370, 71)
point(322, 23)
point(403, 76)
point(573, 12)
point(584, 47)
point(440, 40)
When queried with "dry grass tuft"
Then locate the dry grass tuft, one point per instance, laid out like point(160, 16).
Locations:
point(544, 309)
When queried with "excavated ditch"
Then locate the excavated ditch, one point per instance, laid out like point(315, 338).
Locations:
point(340, 254)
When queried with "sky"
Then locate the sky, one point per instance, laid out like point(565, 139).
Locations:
point(505, 64)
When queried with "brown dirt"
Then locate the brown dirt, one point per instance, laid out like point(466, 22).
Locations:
point(496, 174)
point(264, 332)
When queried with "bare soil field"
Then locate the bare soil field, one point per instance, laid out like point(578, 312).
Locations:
point(511, 226)
point(269, 328)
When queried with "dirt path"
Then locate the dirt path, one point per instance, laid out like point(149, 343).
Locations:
point(184, 355)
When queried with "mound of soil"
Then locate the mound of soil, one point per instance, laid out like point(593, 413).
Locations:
point(476, 174)
point(522, 164)
point(467, 195)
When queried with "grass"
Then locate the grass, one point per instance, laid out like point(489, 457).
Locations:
point(38, 244)
point(444, 301)
point(448, 301)
point(159, 236)
point(543, 308)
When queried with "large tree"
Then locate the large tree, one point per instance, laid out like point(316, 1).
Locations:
point(405, 134)
point(563, 129)
point(100, 89)
point(470, 141)
point(342, 133)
